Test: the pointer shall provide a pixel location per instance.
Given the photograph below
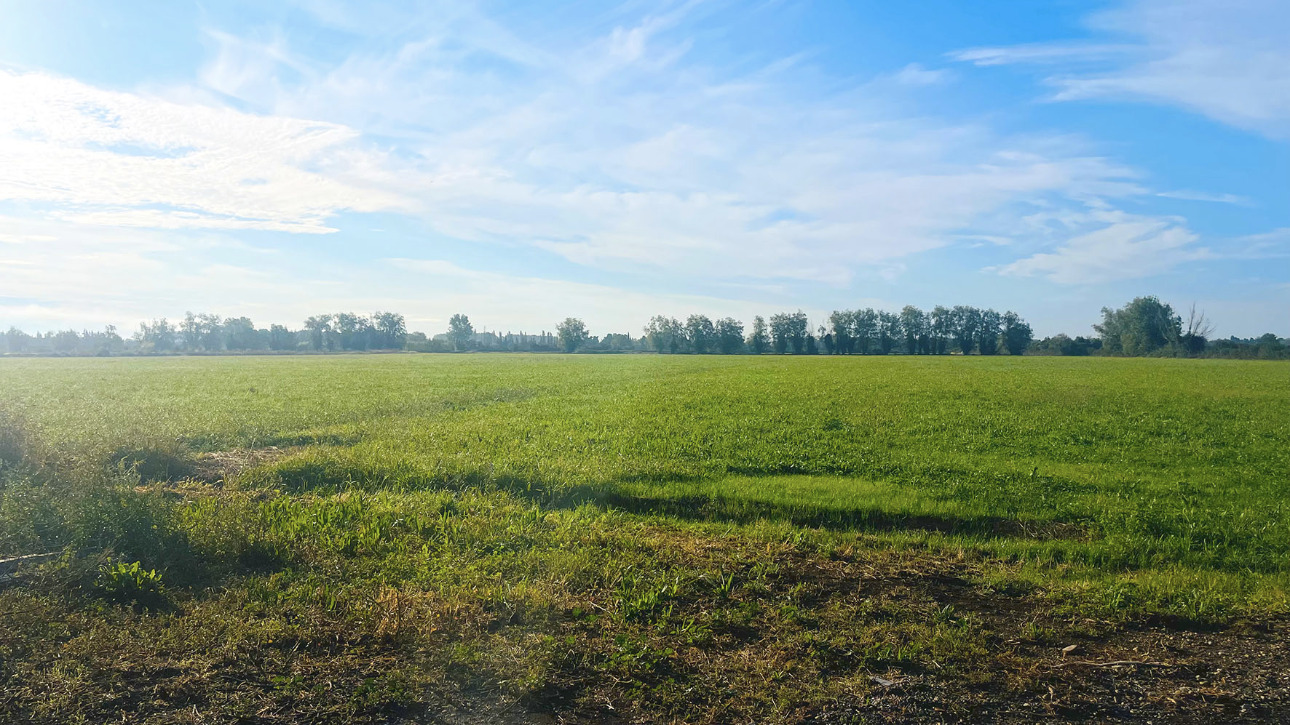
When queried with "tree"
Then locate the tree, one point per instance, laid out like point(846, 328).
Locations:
point(840, 329)
point(989, 323)
point(320, 332)
point(826, 340)
point(159, 336)
point(355, 331)
point(964, 322)
point(66, 342)
point(888, 331)
point(1196, 332)
point(913, 322)
point(391, 330)
point(788, 331)
point(17, 341)
point(280, 338)
point(864, 329)
point(1141, 327)
point(730, 335)
point(240, 334)
point(700, 332)
point(460, 332)
point(940, 328)
point(758, 340)
point(201, 332)
point(665, 334)
point(572, 333)
point(618, 342)
point(1016, 333)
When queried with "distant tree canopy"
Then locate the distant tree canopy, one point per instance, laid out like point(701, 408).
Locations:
point(572, 334)
point(1141, 327)
point(460, 332)
point(1144, 326)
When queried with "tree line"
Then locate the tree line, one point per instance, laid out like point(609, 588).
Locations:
point(848, 332)
point(1144, 326)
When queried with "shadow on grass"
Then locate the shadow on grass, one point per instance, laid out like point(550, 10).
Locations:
point(717, 509)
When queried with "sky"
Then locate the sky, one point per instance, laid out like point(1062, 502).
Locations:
point(522, 162)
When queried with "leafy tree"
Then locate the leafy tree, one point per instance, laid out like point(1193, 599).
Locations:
point(572, 333)
point(391, 330)
point(320, 332)
point(240, 334)
point(940, 325)
point(157, 336)
point(1141, 327)
point(701, 333)
point(826, 340)
point(665, 334)
point(280, 338)
point(1062, 344)
point(788, 331)
point(888, 331)
point(190, 332)
point(913, 322)
point(987, 332)
point(202, 332)
point(17, 341)
point(66, 342)
point(964, 322)
point(758, 339)
point(864, 329)
point(730, 335)
point(618, 342)
point(779, 332)
point(1016, 333)
point(460, 332)
point(840, 329)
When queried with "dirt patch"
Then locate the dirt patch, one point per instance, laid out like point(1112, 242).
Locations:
point(217, 467)
point(904, 637)
point(1153, 675)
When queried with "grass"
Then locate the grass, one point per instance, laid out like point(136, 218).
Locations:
point(700, 539)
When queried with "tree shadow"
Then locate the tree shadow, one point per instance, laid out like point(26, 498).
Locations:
point(720, 509)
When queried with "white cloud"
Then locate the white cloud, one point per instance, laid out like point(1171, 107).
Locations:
point(1123, 246)
point(1225, 59)
point(916, 75)
point(638, 163)
point(1188, 195)
point(1054, 53)
point(103, 156)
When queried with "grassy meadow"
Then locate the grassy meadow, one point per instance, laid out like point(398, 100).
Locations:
point(507, 538)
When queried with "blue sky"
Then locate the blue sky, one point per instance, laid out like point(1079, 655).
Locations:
point(523, 162)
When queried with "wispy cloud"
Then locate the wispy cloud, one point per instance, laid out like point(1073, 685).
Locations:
point(1120, 246)
point(611, 155)
point(1188, 195)
point(1226, 60)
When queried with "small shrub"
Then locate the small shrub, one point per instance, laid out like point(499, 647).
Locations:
point(130, 583)
point(166, 461)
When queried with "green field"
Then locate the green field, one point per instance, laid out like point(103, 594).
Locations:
point(651, 538)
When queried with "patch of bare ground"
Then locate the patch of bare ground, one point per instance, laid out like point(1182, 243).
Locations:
point(904, 637)
point(216, 467)
point(1236, 675)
